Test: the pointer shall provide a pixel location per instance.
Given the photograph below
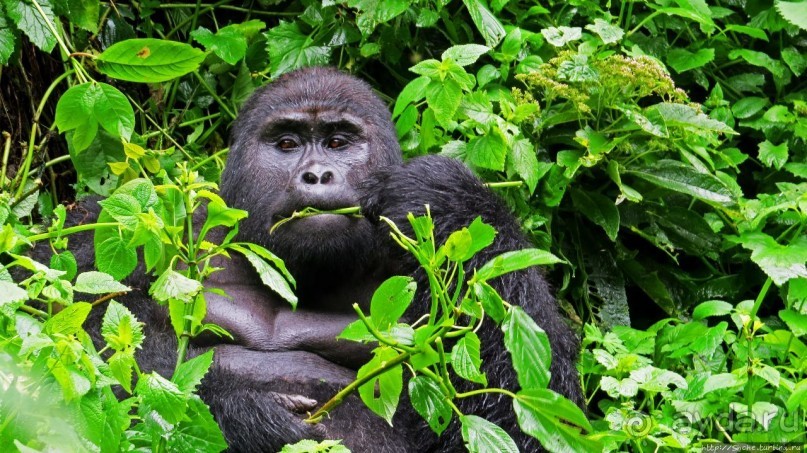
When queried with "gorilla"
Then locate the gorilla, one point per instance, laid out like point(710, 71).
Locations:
point(320, 138)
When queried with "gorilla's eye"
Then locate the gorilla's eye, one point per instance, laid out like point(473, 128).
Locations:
point(336, 142)
point(286, 144)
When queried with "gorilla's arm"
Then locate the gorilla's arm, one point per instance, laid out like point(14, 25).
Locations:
point(456, 197)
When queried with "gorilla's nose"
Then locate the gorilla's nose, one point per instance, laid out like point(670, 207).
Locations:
point(310, 177)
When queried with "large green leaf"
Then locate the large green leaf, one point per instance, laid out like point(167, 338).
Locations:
point(28, 20)
point(683, 60)
point(780, 262)
point(793, 12)
point(290, 49)
point(391, 300)
point(429, 401)
point(375, 12)
point(466, 360)
point(149, 60)
point(270, 276)
point(599, 209)
point(679, 177)
point(514, 261)
point(553, 420)
point(8, 40)
point(98, 283)
point(482, 436)
point(381, 393)
point(486, 22)
point(488, 151)
point(529, 348)
point(82, 108)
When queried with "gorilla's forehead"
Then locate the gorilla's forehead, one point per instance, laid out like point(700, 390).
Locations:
point(314, 114)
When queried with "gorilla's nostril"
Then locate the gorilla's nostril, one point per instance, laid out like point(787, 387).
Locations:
point(310, 178)
point(326, 177)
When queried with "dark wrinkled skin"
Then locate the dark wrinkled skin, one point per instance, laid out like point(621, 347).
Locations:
point(282, 364)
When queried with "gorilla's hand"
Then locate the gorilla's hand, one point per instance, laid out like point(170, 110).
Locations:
point(443, 183)
point(454, 195)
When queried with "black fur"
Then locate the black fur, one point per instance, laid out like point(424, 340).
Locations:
point(249, 387)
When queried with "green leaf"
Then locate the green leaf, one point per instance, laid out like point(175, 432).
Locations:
point(525, 163)
point(711, 308)
point(748, 106)
point(391, 300)
point(795, 60)
point(513, 261)
point(376, 12)
point(760, 59)
point(683, 60)
point(491, 301)
point(84, 107)
point(560, 36)
point(229, 43)
point(149, 60)
point(269, 275)
point(115, 257)
point(599, 209)
point(98, 283)
point(793, 12)
point(69, 320)
point(529, 348)
point(679, 177)
point(381, 393)
point(488, 151)
point(290, 49)
point(429, 401)
point(609, 34)
point(161, 395)
point(120, 329)
point(465, 54)
point(780, 262)
point(687, 118)
point(482, 436)
point(123, 208)
point(198, 431)
point(173, 285)
point(552, 419)
point(121, 364)
point(796, 322)
point(746, 30)
point(66, 262)
point(486, 22)
point(444, 99)
point(84, 13)
point(773, 155)
point(218, 214)
point(466, 360)
point(412, 93)
point(8, 41)
point(189, 374)
point(28, 20)
point(10, 293)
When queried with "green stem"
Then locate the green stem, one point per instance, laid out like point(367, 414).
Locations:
point(760, 297)
point(51, 27)
point(378, 335)
point(484, 391)
point(504, 184)
point(213, 156)
point(215, 95)
point(337, 399)
point(71, 230)
point(33, 311)
point(185, 337)
point(6, 150)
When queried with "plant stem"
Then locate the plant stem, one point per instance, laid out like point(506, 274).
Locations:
point(71, 230)
point(6, 150)
point(337, 399)
point(215, 95)
point(504, 184)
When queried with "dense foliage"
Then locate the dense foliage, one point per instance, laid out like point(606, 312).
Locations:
point(657, 148)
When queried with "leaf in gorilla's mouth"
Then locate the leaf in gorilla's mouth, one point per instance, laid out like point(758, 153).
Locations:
point(353, 211)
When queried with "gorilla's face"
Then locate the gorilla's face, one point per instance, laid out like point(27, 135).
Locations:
point(308, 141)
